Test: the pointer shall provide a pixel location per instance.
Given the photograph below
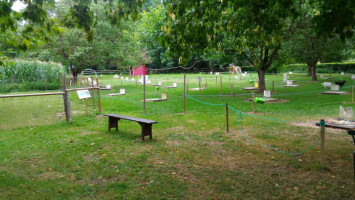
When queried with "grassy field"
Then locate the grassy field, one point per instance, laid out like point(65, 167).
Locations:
point(191, 155)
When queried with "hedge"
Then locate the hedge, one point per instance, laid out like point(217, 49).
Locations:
point(321, 68)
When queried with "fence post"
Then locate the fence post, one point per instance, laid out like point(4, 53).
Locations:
point(184, 92)
point(66, 99)
point(227, 121)
point(93, 91)
point(144, 93)
point(322, 138)
point(273, 86)
point(98, 94)
point(352, 93)
point(220, 78)
point(253, 103)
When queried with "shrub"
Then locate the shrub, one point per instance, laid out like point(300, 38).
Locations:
point(321, 68)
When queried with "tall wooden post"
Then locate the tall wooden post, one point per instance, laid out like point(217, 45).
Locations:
point(66, 99)
point(352, 94)
point(98, 95)
point(253, 103)
point(93, 91)
point(144, 93)
point(227, 121)
point(184, 93)
point(322, 138)
point(216, 81)
point(221, 85)
point(273, 86)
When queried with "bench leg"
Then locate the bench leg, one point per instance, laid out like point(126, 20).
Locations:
point(146, 130)
point(112, 123)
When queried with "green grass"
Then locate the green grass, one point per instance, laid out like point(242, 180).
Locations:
point(191, 155)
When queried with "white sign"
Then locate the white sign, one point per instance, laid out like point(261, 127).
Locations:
point(334, 87)
point(289, 82)
point(353, 77)
point(159, 82)
point(115, 76)
point(290, 73)
point(217, 73)
point(211, 73)
point(285, 75)
point(83, 94)
point(132, 79)
point(346, 113)
point(342, 73)
point(321, 76)
point(174, 85)
point(199, 79)
point(127, 78)
point(122, 91)
point(121, 77)
point(108, 87)
point(267, 93)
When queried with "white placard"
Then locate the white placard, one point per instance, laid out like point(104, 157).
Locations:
point(199, 79)
point(217, 73)
point(289, 82)
point(122, 91)
point(115, 76)
point(149, 82)
point(267, 93)
point(211, 73)
point(290, 73)
point(83, 94)
point(334, 87)
point(108, 87)
point(132, 79)
point(353, 77)
point(284, 79)
point(159, 82)
point(236, 77)
point(174, 84)
point(342, 73)
point(127, 78)
point(121, 77)
point(346, 113)
point(321, 76)
point(285, 75)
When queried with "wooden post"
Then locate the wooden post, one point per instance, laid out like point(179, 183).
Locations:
point(322, 138)
point(199, 86)
point(93, 91)
point(144, 93)
point(273, 86)
point(227, 121)
point(221, 85)
point(66, 99)
point(216, 81)
point(352, 93)
point(98, 95)
point(206, 81)
point(229, 77)
point(253, 103)
point(184, 93)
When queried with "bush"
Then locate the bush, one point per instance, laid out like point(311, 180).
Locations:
point(321, 68)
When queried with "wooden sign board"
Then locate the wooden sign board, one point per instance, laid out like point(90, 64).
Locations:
point(267, 93)
point(83, 94)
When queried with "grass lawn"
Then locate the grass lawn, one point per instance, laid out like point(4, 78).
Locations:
point(191, 155)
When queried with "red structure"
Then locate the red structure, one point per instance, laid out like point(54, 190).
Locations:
point(140, 70)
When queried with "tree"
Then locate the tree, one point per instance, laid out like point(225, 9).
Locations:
point(111, 46)
point(255, 28)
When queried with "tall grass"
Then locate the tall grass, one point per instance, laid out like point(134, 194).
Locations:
point(22, 75)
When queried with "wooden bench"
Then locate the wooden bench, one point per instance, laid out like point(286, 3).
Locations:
point(145, 123)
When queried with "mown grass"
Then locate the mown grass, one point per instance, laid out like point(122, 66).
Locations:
point(191, 155)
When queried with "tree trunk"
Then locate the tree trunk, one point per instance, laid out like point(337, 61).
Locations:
point(261, 75)
point(309, 70)
point(312, 66)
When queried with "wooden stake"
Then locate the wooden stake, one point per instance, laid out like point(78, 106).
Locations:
point(227, 121)
point(93, 91)
point(253, 103)
point(144, 93)
point(216, 81)
point(221, 85)
point(98, 95)
point(66, 99)
point(184, 93)
point(322, 138)
point(273, 86)
point(352, 94)
point(199, 86)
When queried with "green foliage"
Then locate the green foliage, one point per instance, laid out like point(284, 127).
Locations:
point(29, 75)
point(321, 68)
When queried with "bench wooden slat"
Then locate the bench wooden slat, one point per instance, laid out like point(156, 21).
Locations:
point(132, 118)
